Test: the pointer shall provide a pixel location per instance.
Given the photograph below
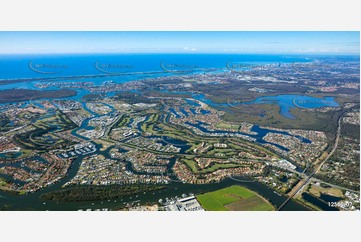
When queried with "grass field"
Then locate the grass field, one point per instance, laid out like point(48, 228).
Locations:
point(6, 187)
point(196, 170)
point(191, 164)
point(227, 126)
point(234, 198)
point(317, 190)
point(2, 183)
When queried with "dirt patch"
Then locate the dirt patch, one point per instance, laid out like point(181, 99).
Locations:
point(248, 204)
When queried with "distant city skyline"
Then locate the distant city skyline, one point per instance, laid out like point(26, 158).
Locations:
point(271, 42)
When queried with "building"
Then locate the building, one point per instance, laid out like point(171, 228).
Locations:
point(185, 204)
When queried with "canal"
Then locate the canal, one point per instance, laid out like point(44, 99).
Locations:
point(32, 201)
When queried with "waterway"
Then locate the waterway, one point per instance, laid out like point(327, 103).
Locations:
point(17, 67)
point(287, 102)
point(260, 133)
point(318, 203)
point(32, 201)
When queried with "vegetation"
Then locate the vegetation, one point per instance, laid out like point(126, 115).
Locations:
point(6, 185)
point(41, 136)
point(318, 190)
point(3, 184)
point(351, 130)
point(218, 166)
point(234, 198)
point(123, 121)
point(92, 97)
point(132, 98)
point(191, 164)
point(227, 126)
point(94, 193)
point(4, 123)
point(148, 125)
point(18, 95)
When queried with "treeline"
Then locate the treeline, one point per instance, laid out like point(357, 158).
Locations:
point(4, 122)
point(338, 181)
point(121, 122)
point(65, 122)
point(23, 139)
point(351, 130)
point(132, 98)
point(18, 95)
point(94, 193)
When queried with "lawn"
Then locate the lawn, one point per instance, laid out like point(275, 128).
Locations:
point(191, 164)
point(2, 182)
point(219, 166)
point(195, 169)
point(317, 190)
point(234, 198)
point(227, 126)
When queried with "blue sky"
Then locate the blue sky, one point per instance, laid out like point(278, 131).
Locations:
point(184, 42)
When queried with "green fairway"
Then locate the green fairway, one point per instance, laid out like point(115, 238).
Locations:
point(234, 198)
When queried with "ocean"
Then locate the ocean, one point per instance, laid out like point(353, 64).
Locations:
point(133, 66)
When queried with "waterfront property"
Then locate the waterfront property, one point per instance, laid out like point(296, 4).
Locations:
point(184, 204)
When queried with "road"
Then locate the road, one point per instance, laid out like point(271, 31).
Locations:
point(335, 186)
point(302, 184)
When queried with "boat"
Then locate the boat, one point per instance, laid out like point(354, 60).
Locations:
point(277, 193)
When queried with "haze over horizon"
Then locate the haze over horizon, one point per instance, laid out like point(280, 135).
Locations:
point(251, 42)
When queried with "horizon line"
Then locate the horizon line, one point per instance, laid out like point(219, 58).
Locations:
point(179, 52)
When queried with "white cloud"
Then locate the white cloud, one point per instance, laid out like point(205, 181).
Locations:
point(189, 49)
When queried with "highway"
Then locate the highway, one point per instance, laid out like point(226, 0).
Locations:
point(300, 186)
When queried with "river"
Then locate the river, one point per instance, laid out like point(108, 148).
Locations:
point(32, 201)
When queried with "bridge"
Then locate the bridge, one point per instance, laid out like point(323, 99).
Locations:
point(299, 187)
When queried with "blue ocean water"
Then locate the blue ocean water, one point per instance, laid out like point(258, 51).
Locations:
point(58, 65)
point(121, 68)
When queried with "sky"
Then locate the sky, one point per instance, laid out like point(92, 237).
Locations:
point(338, 42)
